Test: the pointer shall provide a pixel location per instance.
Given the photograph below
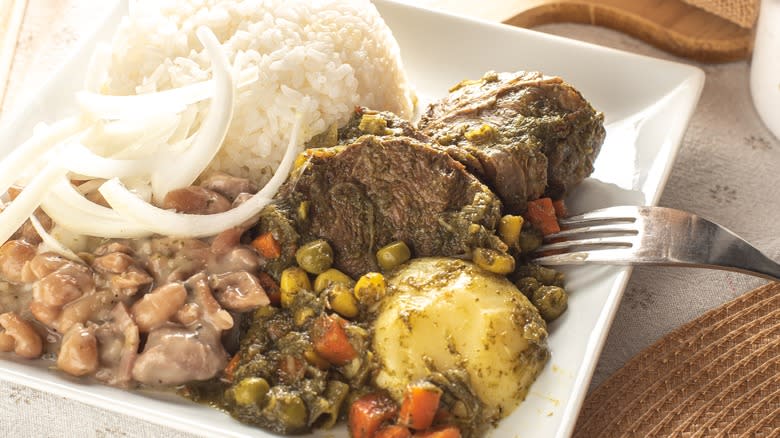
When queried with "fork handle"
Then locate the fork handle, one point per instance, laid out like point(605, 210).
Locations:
point(730, 252)
point(705, 244)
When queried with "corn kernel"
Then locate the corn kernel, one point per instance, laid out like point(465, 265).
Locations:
point(293, 280)
point(329, 277)
point(482, 134)
point(509, 229)
point(370, 288)
point(300, 160)
point(373, 124)
point(493, 261)
point(303, 211)
point(342, 301)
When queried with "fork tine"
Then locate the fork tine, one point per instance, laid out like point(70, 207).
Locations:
point(604, 216)
point(661, 236)
point(616, 229)
point(584, 244)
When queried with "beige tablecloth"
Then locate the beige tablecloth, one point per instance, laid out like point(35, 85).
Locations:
point(727, 170)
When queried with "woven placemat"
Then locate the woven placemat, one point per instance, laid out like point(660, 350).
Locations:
point(718, 375)
point(740, 12)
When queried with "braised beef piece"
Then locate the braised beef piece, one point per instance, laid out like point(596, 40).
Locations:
point(524, 134)
point(377, 190)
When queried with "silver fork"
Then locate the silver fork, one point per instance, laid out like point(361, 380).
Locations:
point(630, 235)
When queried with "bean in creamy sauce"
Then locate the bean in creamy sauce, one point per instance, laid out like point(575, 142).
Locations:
point(148, 311)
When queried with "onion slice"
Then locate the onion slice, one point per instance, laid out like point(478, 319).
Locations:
point(21, 208)
point(89, 186)
point(82, 161)
point(52, 243)
point(130, 138)
point(97, 69)
point(175, 100)
point(170, 223)
point(180, 170)
point(14, 165)
point(70, 210)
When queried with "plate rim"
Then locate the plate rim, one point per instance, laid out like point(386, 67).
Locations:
point(694, 76)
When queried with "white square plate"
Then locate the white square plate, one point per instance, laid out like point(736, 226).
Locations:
point(647, 103)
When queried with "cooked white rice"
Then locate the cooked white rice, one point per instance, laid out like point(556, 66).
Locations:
point(321, 57)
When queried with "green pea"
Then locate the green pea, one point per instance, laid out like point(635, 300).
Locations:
point(251, 390)
point(551, 301)
point(315, 257)
point(392, 255)
point(530, 239)
point(288, 409)
point(545, 276)
point(527, 286)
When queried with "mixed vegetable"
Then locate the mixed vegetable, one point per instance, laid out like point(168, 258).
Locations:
point(306, 361)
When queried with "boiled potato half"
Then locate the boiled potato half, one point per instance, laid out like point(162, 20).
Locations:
point(448, 314)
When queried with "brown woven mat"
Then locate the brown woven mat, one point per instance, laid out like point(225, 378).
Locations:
point(718, 375)
point(740, 12)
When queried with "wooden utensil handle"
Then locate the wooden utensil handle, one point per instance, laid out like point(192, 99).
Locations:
point(672, 25)
point(11, 15)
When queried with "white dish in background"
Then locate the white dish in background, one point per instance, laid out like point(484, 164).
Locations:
point(765, 66)
point(647, 103)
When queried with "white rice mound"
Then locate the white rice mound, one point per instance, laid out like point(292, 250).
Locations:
point(317, 57)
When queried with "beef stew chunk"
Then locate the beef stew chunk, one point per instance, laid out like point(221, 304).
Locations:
point(379, 190)
point(524, 134)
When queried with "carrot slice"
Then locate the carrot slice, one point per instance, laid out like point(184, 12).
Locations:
point(419, 405)
point(560, 208)
point(267, 246)
point(270, 287)
point(331, 341)
point(541, 214)
point(393, 431)
point(230, 369)
point(440, 432)
point(367, 413)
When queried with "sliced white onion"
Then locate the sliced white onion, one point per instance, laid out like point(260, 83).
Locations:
point(21, 208)
point(181, 170)
point(14, 165)
point(170, 223)
point(90, 186)
point(139, 186)
point(186, 120)
point(113, 138)
point(97, 69)
point(83, 162)
point(174, 224)
point(51, 243)
point(167, 101)
point(70, 210)
point(155, 136)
